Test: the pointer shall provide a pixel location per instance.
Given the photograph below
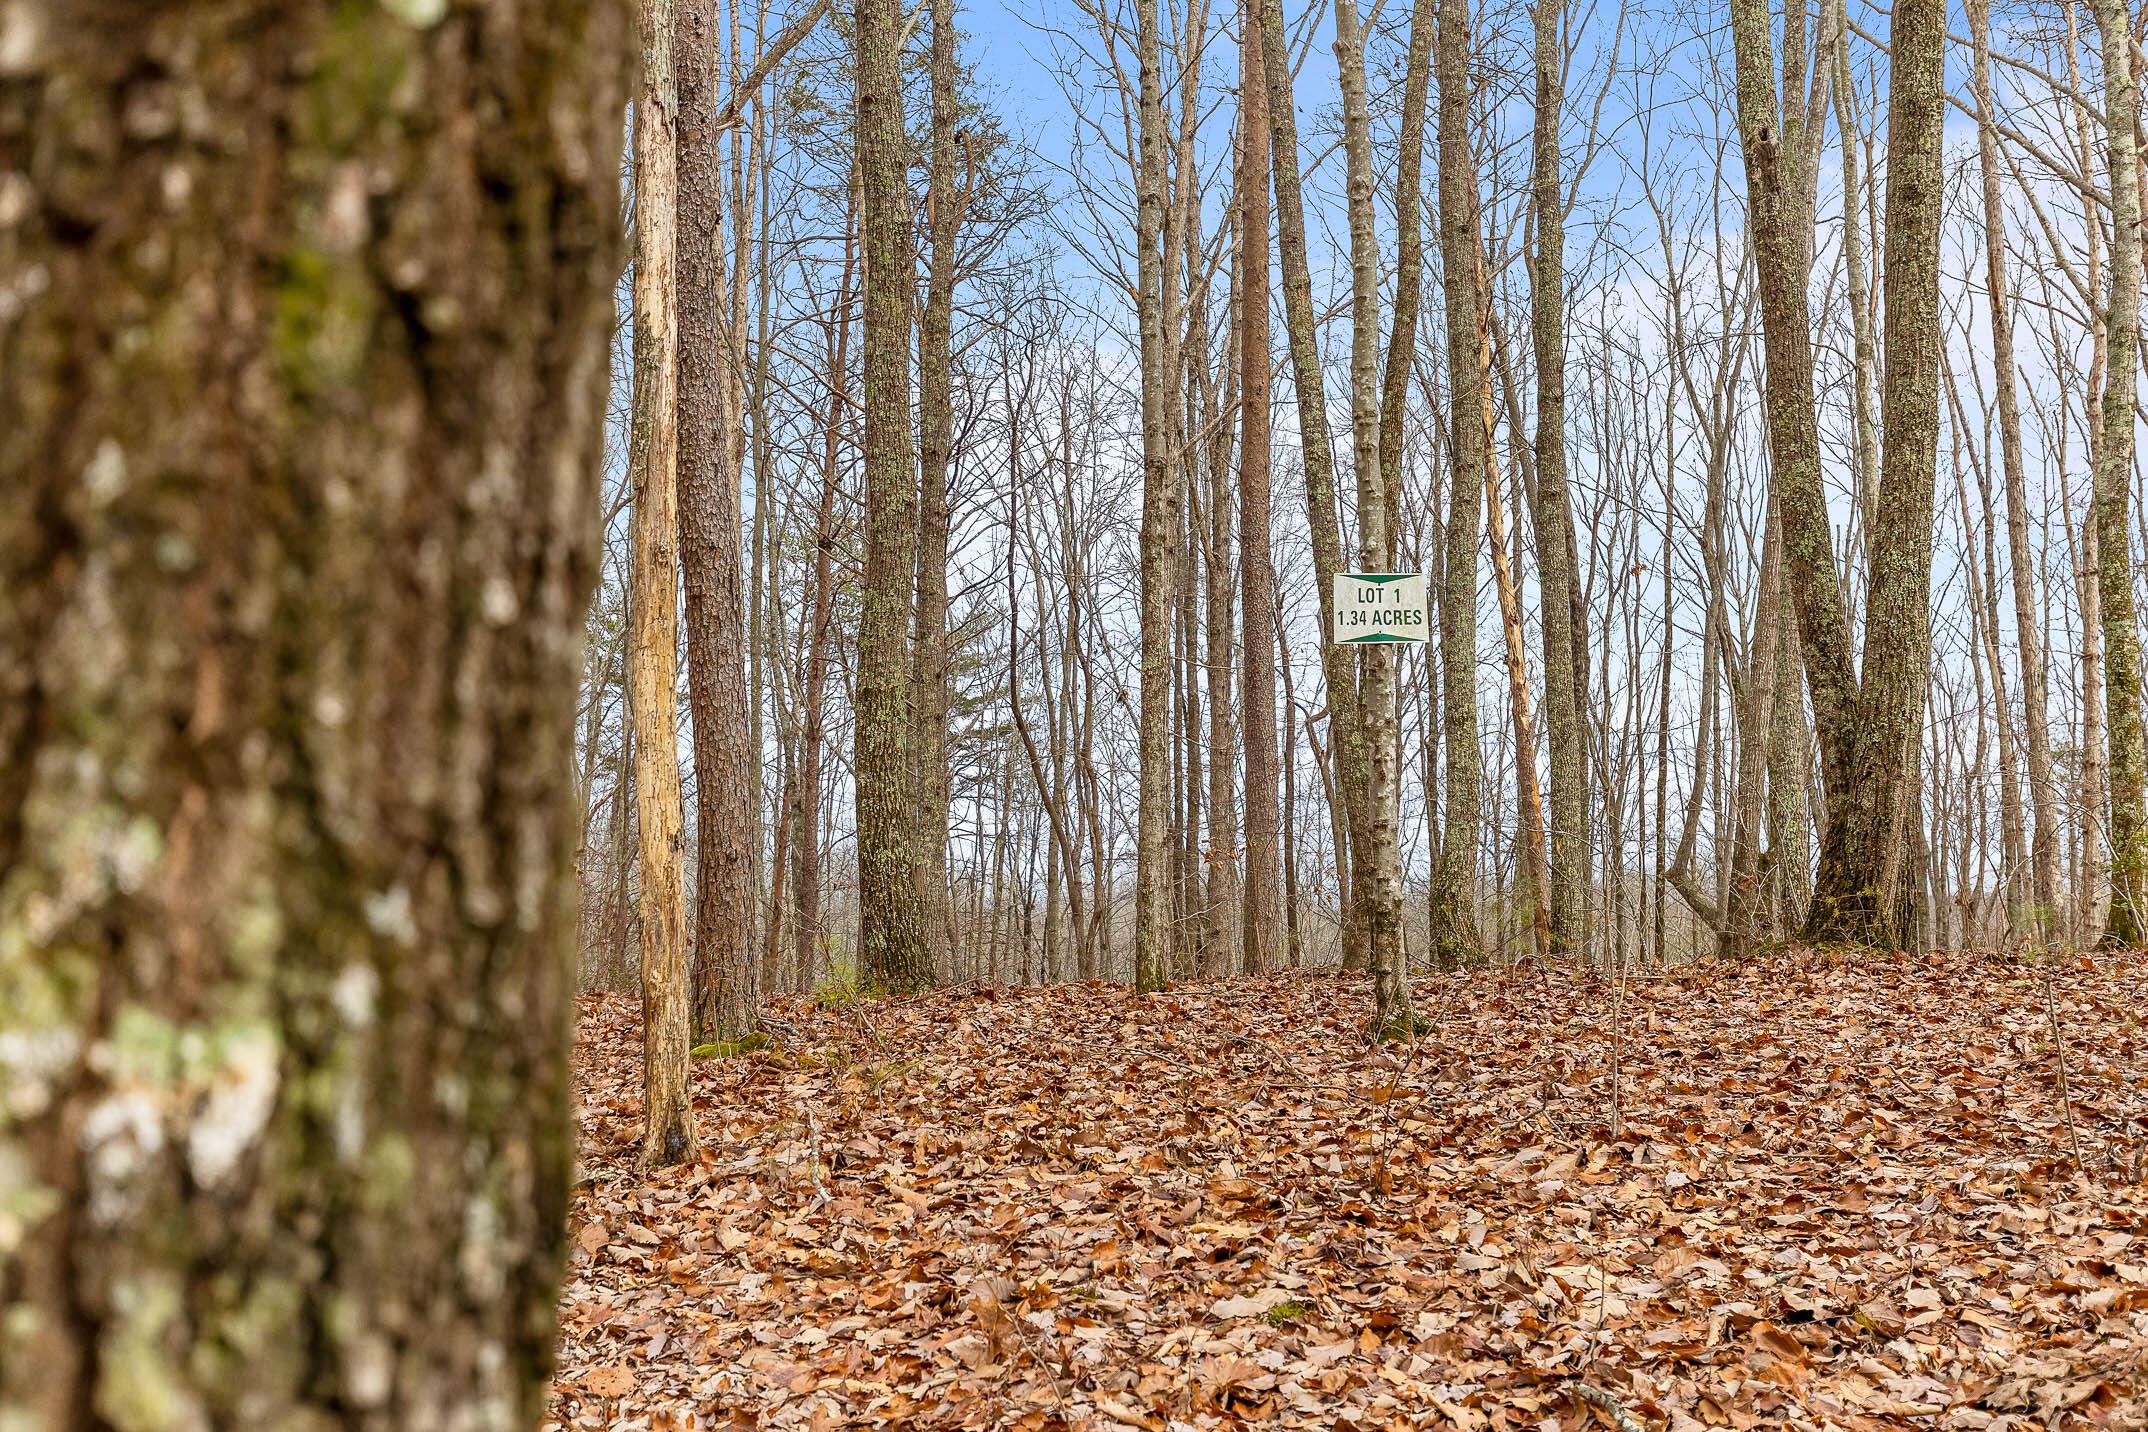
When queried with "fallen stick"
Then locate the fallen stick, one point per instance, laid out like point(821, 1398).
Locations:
point(2058, 1045)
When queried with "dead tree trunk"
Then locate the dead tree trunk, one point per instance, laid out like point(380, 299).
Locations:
point(667, 1127)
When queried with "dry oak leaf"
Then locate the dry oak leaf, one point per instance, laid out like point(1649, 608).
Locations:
point(607, 1382)
point(1773, 1341)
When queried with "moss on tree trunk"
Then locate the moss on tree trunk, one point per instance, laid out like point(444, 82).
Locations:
point(300, 432)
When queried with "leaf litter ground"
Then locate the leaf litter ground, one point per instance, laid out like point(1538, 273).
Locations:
point(1835, 1193)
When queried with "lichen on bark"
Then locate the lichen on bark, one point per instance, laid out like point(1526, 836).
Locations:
point(304, 411)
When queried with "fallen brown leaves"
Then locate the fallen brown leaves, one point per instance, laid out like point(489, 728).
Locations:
point(1843, 1196)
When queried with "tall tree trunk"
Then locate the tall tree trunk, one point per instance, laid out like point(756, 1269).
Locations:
point(2090, 886)
point(1319, 463)
point(1529, 821)
point(726, 974)
point(1789, 781)
point(1864, 362)
point(1224, 938)
point(1984, 595)
point(1263, 948)
point(936, 433)
point(813, 706)
point(1775, 187)
point(2128, 921)
point(1382, 892)
point(1159, 523)
point(1556, 578)
point(1865, 886)
point(1454, 932)
point(667, 1129)
point(287, 793)
point(1756, 721)
point(1294, 931)
point(2043, 787)
point(893, 945)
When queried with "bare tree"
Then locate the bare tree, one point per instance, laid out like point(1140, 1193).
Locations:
point(667, 1127)
point(726, 983)
point(2128, 921)
point(893, 936)
point(1556, 579)
point(944, 207)
point(1160, 504)
point(1261, 925)
point(1454, 932)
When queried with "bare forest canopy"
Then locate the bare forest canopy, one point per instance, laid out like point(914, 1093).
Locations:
point(1753, 387)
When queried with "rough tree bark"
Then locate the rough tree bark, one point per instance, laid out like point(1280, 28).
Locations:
point(1409, 277)
point(1376, 683)
point(2028, 632)
point(1409, 264)
point(653, 603)
point(1864, 892)
point(726, 973)
point(1454, 929)
point(1257, 726)
point(300, 433)
point(894, 950)
point(936, 435)
point(1775, 186)
point(1318, 460)
point(2127, 924)
point(1159, 521)
point(1569, 836)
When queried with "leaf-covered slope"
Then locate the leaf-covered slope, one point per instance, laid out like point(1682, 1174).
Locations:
point(1839, 1193)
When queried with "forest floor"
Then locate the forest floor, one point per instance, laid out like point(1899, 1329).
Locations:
point(1830, 1193)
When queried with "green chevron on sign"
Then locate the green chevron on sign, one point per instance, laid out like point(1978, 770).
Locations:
point(1381, 606)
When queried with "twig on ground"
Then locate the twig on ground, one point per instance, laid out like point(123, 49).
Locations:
point(2058, 1045)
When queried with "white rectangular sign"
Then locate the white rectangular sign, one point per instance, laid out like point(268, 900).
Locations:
point(1381, 606)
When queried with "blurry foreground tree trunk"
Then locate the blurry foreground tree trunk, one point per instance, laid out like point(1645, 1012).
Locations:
point(300, 437)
